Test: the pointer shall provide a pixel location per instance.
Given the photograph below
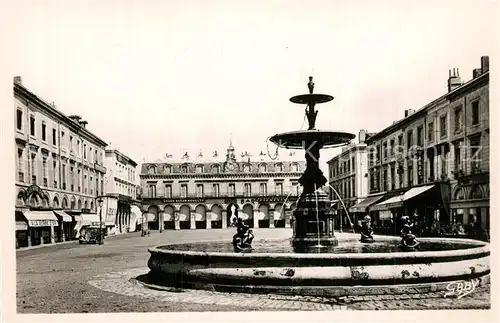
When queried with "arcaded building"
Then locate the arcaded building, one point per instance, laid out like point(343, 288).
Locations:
point(205, 192)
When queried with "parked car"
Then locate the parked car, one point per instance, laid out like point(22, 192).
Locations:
point(91, 235)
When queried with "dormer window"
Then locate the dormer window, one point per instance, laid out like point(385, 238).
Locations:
point(184, 169)
point(295, 167)
point(152, 169)
point(279, 167)
point(262, 168)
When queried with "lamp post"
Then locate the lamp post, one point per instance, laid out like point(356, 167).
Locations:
point(99, 201)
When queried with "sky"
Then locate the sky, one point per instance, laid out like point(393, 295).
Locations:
point(157, 77)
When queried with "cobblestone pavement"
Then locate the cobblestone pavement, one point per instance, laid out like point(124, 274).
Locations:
point(73, 278)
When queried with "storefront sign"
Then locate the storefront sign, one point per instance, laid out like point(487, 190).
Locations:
point(42, 223)
point(420, 166)
point(185, 200)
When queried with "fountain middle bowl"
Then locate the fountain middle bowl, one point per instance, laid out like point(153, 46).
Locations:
point(351, 268)
point(299, 139)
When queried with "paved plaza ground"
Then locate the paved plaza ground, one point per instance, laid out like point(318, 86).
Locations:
point(73, 278)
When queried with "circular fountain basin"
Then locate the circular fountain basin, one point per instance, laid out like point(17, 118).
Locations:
point(302, 139)
point(351, 268)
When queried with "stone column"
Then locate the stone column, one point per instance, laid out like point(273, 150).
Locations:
point(224, 219)
point(177, 224)
point(29, 236)
point(193, 220)
point(208, 219)
point(271, 218)
point(41, 236)
point(255, 220)
point(288, 214)
point(52, 235)
point(63, 238)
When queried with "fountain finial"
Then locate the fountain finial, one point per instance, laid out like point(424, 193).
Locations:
point(310, 85)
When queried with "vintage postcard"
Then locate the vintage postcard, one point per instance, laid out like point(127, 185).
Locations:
point(255, 160)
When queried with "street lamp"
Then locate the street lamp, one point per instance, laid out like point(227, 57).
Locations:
point(99, 201)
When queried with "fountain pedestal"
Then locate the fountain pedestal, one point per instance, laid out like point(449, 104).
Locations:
point(313, 225)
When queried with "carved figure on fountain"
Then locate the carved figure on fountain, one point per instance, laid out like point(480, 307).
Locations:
point(366, 230)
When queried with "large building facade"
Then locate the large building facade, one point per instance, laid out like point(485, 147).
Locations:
point(120, 204)
point(435, 161)
point(59, 169)
point(207, 193)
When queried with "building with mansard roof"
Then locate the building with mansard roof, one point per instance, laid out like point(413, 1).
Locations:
point(207, 191)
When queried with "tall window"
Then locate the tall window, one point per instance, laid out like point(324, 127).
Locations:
point(152, 190)
point(168, 191)
point(458, 156)
point(443, 126)
point(32, 125)
point(384, 148)
point(400, 143)
point(79, 180)
point(84, 151)
point(232, 190)
point(54, 137)
point(71, 144)
point(279, 188)
point(430, 132)
point(420, 136)
point(384, 179)
point(409, 139)
point(55, 173)
point(410, 173)
point(199, 190)
point(91, 184)
point(458, 119)
point(392, 147)
point(44, 172)
point(184, 190)
point(20, 166)
point(19, 119)
point(475, 112)
point(263, 189)
point(393, 178)
point(353, 164)
point(85, 183)
point(444, 170)
point(33, 169)
point(97, 186)
point(44, 131)
point(216, 190)
point(475, 143)
point(248, 189)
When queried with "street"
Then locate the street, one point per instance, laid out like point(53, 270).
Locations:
point(73, 278)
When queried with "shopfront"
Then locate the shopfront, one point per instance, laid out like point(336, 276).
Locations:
point(64, 233)
point(41, 227)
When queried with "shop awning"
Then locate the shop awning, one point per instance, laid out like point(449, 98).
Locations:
point(363, 205)
point(398, 201)
point(90, 219)
point(65, 217)
point(41, 218)
point(21, 226)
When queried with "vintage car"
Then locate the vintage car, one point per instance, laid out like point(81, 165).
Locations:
point(91, 235)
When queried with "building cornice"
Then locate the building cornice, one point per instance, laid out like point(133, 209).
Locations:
point(218, 175)
point(29, 96)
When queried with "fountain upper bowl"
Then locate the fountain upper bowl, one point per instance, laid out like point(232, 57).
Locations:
point(302, 139)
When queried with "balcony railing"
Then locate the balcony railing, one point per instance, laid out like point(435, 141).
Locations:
point(294, 193)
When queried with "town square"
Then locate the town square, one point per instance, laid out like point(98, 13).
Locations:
point(176, 157)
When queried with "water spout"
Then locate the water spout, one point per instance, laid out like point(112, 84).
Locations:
point(343, 205)
point(317, 216)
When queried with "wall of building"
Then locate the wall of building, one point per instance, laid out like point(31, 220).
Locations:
point(65, 162)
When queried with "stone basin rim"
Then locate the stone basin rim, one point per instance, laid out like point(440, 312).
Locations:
point(482, 247)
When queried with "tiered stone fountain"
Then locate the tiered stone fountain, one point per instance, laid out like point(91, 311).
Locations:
point(316, 262)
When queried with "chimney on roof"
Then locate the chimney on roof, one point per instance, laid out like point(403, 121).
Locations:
point(476, 72)
point(454, 79)
point(17, 80)
point(362, 136)
point(83, 123)
point(409, 112)
point(75, 118)
point(485, 64)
